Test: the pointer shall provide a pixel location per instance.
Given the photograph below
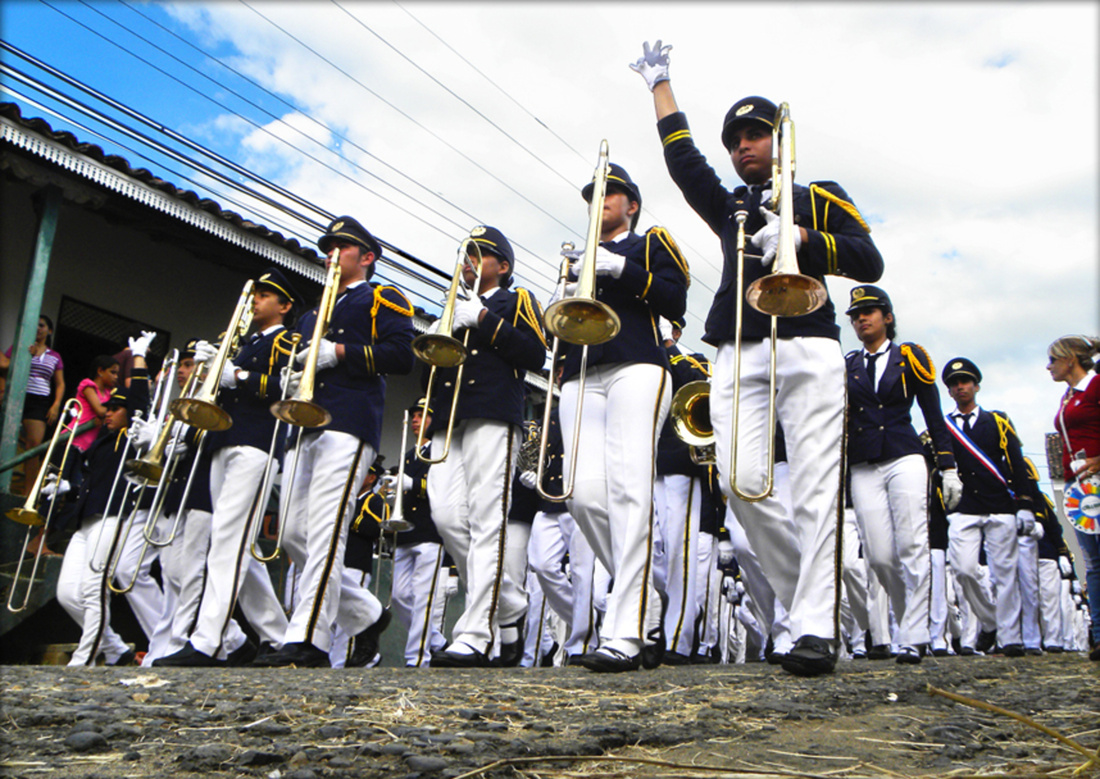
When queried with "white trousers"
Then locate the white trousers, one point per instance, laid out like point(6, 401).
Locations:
point(546, 550)
point(708, 589)
point(624, 408)
point(1027, 572)
point(677, 498)
point(83, 592)
point(419, 583)
point(470, 493)
point(316, 507)
point(589, 581)
point(964, 533)
point(1050, 607)
point(803, 567)
point(770, 613)
point(854, 582)
point(891, 504)
point(942, 603)
point(146, 598)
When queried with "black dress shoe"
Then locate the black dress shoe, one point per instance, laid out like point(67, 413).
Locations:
point(129, 657)
point(1013, 650)
point(967, 651)
point(366, 642)
point(608, 661)
point(1033, 651)
point(880, 652)
point(300, 654)
point(548, 656)
point(909, 655)
point(446, 658)
point(511, 654)
point(941, 652)
point(675, 658)
point(811, 656)
point(242, 655)
point(1055, 650)
point(987, 639)
point(188, 657)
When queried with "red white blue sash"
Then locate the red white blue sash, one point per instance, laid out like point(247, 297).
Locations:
point(975, 450)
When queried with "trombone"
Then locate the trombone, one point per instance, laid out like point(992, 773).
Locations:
point(440, 349)
point(202, 411)
point(396, 522)
point(300, 410)
point(28, 514)
point(783, 293)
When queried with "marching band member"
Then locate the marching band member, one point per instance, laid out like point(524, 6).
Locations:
point(889, 473)
point(678, 495)
point(369, 336)
point(419, 576)
point(831, 238)
point(81, 589)
point(996, 506)
point(248, 386)
point(626, 399)
point(470, 491)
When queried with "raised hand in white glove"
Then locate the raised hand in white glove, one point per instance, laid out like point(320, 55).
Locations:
point(1065, 566)
point(1038, 531)
point(140, 345)
point(767, 238)
point(952, 488)
point(289, 381)
point(467, 313)
point(653, 64)
point(229, 376)
point(142, 433)
point(725, 552)
point(204, 350)
point(529, 479)
point(1025, 522)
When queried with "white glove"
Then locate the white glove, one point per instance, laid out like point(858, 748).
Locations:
point(139, 346)
point(1025, 522)
point(529, 479)
point(567, 290)
point(1065, 566)
point(452, 586)
point(1038, 531)
point(326, 355)
point(142, 433)
point(51, 487)
point(725, 552)
point(608, 263)
point(289, 381)
point(952, 488)
point(204, 350)
point(767, 238)
point(653, 64)
point(229, 376)
point(467, 313)
point(175, 448)
point(666, 329)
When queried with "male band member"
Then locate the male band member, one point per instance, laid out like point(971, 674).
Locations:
point(889, 474)
point(369, 335)
point(678, 495)
point(830, 237)
point(996, 504)
point(419, 576)
point(626, 398)
point(82, 581)
point(470, 491)
point(248, 386)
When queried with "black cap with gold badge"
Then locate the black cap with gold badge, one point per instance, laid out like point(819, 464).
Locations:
point(868, 296)
point(421, 406)
point(117, 399)
point(274, 280)
point(492, 240)
point(618, 180)
point(748, 109)
point(346, 228)
point(960, 367)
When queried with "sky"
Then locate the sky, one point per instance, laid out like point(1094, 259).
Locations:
point(965, 133)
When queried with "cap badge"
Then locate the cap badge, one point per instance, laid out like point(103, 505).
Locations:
point(956, 365)
point(479, 230)
point(744, 110)
point(337, 227)
point(857, 293)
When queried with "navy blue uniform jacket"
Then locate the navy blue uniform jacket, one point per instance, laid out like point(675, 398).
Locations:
point(653, 284)
point(879, 423)
point(249, 403)
point(508, 342)
point(416, 507)
point(374, 323)
point(983, 493)
point(838, 240)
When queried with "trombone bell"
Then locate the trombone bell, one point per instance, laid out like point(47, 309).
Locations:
point(395, 525)
point(303, 413)
point(690, 413)
point(150, 471)
point(439, 349)
point(26, 516)
point(201, 414)
point(786, 294)
point(582, 321)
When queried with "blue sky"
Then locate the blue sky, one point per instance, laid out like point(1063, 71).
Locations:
point(965, 132)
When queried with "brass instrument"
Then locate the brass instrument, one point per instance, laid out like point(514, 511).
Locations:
point(442, 350)
point(690, 414)
point(202, 411)
point(129, 485)
point(396, 522)
point(785, 292)
point(28, 514)
point(527, 460)
point(300, 410)
point(580, 318)
point(151, 466)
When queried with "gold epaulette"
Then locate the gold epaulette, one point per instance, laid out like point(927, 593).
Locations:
point(380, 301)
point(925, 371)
point(525, 311)
point(848, 208)
point(665, 238)
point(1004, 427)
